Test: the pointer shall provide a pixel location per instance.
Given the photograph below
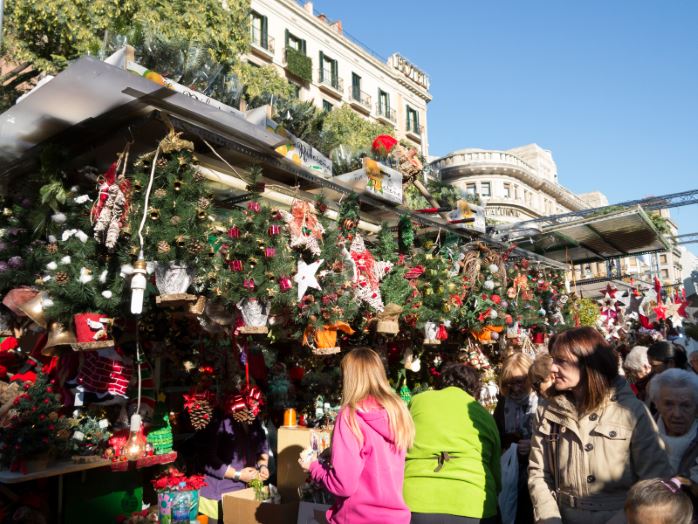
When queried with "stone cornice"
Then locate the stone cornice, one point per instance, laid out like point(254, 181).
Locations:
point(481, 163)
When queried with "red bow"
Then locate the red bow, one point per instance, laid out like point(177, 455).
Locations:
point(249, 398)
point(441, 333)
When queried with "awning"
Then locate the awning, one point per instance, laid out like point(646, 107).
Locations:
point(92, 96)
point(598, 238)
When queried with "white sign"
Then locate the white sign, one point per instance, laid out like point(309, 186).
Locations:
point(386, 184)
point(301, 153)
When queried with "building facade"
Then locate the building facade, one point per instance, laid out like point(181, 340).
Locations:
point(515, 185)
point(329, 68)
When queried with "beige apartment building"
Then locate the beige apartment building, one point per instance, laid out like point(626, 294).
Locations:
point(330, 68)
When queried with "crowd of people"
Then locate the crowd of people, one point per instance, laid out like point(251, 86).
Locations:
point(589, 434)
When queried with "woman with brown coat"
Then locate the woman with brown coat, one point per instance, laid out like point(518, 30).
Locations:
point(595, 438)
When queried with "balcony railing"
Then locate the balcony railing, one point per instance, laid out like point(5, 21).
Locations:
point(415, 132)
point(264, 44)
point(386, 114)
point(361, 98)
point(325, 79)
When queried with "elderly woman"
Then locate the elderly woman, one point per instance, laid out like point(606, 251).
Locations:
point(595, 439)
point(675, 394)
point(638, 370)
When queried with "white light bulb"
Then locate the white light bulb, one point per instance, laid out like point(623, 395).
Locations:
point(138, 285)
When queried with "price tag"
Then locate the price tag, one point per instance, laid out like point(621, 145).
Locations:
point(104, 423)
point(79, 435)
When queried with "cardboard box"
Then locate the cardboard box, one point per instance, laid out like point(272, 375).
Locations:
point(240, 507)
point(290, 443)
point(310, 513)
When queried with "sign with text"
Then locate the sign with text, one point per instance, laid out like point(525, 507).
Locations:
point(301, 153)
point(377, 179)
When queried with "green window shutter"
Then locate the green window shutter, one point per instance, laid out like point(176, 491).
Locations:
point(408, 112)
point(303, 47)
point(356, 86)
point(286, 35)
point(322, 66)
point(335, 75)
point(265, 34)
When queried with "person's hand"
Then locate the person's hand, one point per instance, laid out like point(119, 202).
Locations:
point(524, 447)
point(248, 474)
point(263, 471)
point(307, 457)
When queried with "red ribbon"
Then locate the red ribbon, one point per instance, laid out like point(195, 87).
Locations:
point(249, 398)
point(441, 333)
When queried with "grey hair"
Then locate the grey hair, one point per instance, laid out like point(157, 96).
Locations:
point(674, 378)
point(636, 359)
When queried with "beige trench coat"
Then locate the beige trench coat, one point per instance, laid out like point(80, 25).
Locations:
point(602, 454)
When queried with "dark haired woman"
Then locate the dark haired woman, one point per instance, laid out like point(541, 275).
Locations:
point(663, 355)
point(452, 473)
point(595, 438)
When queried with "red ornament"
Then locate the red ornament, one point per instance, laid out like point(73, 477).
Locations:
point(234, 232)
point(269, 252)
point(274, 230)
point(248, 283)
point(235, 265)
point(285, 284)
point(254, 207)
point(496, 299)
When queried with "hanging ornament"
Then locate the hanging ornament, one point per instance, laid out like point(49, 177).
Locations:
point(163, 247)
point(234, 232)
point(235, 265)
point(61, 278)
point(248, 283)
point(154, 213)
point(305, 277)
point(305, 230)
point(274, 230)
point(493, 268)
point(177, 186)
point(269, 252)
point(180, 241)
point(488, 285)
point(285, 284)
point(367, 273)
point(254, 206)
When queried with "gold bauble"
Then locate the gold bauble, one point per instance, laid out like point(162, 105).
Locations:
point(154, 213)
point(177, 186)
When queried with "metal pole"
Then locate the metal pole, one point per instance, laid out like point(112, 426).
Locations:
point(2, 10)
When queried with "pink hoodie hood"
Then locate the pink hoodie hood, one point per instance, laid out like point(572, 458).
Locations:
point(366, 480)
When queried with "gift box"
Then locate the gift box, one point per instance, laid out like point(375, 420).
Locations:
point(241, 507)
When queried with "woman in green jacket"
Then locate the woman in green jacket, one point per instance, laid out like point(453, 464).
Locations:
point(452, 473)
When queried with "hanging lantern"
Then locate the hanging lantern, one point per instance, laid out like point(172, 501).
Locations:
point(234, 232)
point(235, 265)
point(285, 284)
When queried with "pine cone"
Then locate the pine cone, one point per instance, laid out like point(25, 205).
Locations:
point(195, 247)
point(203, 203)
point(244, 416)
point(52, 248)
point(62, 278)
point(163, 247)
point(175, 220)
point(200, 415)
point(160, 193)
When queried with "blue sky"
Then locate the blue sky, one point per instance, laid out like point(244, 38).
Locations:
point(610, 87)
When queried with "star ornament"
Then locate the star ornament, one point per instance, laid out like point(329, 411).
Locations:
point(305, 277)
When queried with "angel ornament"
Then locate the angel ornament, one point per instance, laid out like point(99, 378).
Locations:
point(367, 273)
point(255, 315)
point(306, 231)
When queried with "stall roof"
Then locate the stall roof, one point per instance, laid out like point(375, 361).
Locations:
point(92, 90)
point(597, 238)
point(93, 99)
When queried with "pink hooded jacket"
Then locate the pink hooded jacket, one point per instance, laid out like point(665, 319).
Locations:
point(366, 480)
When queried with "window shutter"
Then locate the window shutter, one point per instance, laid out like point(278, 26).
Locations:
point(335, 76)
point(303, 47)
point(265, 37)
point(408, 112)
point(286, 35)
point(322, 66)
